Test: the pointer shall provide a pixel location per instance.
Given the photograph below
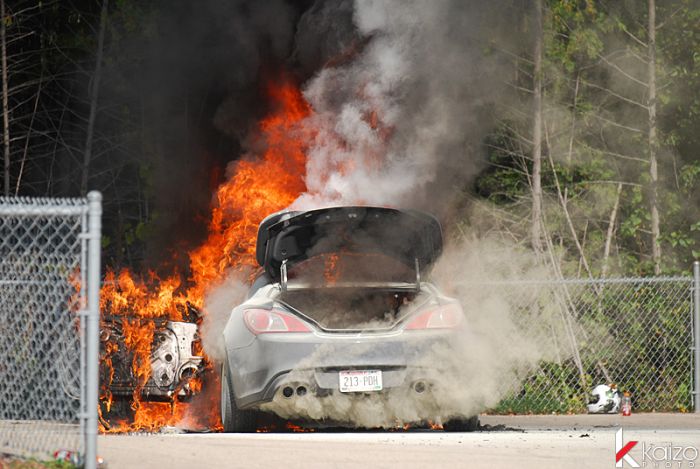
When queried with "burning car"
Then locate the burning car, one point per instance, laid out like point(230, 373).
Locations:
point(340, 328)
point(173, 363)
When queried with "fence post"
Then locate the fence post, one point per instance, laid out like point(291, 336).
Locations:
point(696, 335)
point(93, 326)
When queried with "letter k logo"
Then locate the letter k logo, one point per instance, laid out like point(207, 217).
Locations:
point(621, 451)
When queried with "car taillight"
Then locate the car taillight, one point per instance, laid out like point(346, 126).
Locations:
point(442, 317)
point(261, 321)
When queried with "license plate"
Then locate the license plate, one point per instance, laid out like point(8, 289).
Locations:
point(360, 380)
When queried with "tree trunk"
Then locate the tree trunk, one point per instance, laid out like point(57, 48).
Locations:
point(572, 134)
point(94, 95)
point(611, 232)
point(5, 106)
point(569, 221)
point(536, 229)
point(25, 153)
point(653, 143)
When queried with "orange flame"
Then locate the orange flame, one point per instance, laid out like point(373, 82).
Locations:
point(258, 188)
point(298, 429)
point(330, 271)
point(259, 185)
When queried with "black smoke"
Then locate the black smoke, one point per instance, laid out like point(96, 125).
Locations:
point(203, 79)
point(200, 72)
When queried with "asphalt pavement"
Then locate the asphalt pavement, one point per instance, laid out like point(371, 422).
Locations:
point(527, 442)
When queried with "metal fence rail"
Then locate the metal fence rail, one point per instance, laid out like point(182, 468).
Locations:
point(635, 332)
point(45, 272)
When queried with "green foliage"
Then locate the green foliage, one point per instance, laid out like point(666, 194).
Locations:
point(551, 390)
point(33, 463)
point(636, 335)
point(596, 124)
point(690, 175)
point(59, 465)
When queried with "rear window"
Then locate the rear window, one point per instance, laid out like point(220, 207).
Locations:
point(341, 268)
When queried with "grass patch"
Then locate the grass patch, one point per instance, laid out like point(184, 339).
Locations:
point(15, 462)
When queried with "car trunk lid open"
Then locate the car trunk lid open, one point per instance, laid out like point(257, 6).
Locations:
point(410, 238)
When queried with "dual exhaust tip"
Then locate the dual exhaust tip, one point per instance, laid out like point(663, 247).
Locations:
point(289, 391)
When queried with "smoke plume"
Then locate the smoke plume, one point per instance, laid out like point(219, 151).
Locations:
point(219, 302)
point(397, 120)
point(400, 119)
point(508, 331)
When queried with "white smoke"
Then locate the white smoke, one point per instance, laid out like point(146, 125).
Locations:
point(509, 330)
point(219, 301)
point(398, 124)
point(401, 117)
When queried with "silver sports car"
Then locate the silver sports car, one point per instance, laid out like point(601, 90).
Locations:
point(339, 328)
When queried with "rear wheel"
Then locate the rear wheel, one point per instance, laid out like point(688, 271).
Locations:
point(233, 419)
point(470, 424)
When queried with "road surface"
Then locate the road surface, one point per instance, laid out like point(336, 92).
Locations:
point(578, 441)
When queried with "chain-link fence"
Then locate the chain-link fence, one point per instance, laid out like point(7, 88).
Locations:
point(44, 315)
point(634, 332)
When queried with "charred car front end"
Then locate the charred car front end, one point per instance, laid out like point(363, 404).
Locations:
point(175, 359)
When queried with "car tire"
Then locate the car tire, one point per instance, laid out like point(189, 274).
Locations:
point(470, 424)
point(233, 419)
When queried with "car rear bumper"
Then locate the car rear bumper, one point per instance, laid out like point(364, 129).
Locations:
point(310, 363)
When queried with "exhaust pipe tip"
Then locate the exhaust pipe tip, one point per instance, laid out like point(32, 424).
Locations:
point(287, 391)
point(420, 387)
point(301, 391)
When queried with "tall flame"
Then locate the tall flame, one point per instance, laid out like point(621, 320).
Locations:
point(259, 185)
